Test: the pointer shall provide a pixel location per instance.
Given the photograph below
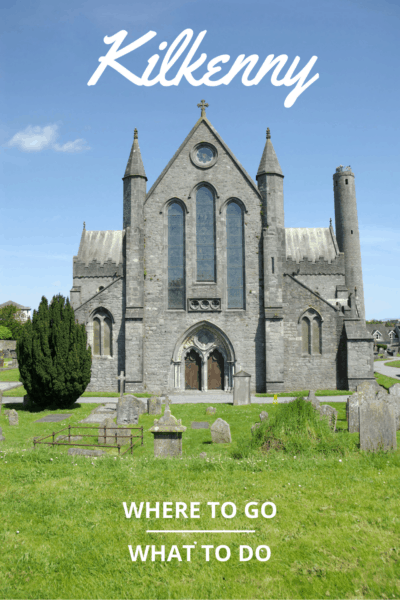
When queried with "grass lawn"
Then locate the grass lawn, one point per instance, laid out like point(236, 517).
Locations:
point(393, 363)
point(385, 381)
point(335, 535)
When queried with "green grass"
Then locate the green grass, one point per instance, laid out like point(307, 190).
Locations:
point(11, 375)
point(336, 533)
point(385, 381)
point(394, 363)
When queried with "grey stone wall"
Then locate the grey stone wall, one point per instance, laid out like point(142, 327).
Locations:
point(325, 285)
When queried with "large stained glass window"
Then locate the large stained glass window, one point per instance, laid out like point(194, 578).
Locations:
point(235, 263)
point(205, 235)
point(176, 257)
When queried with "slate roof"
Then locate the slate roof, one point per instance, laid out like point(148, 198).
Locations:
point(11, 303)
point(101, 246)
point(311, 242)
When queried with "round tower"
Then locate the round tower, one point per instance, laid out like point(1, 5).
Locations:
point(347, 233)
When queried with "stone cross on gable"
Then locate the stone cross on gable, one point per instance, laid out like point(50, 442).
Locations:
point(122, 380)
point(203, 105)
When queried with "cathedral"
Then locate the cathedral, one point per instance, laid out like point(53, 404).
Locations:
point(204, 281)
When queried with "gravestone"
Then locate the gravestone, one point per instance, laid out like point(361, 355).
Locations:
point(329, 413)
point(200, 425)
point(128, 411)
point(167, 433)
point(377, 424)
point(13, 417)
point(254, 427)
point(394, 399)
point(220, 432)
point(84, 452)
point(2, 438)
point(313, 399)
point(211, 410)
point(110, 434)
point(1, 400)
point(241, 389)
point(366, 392)
point(65, 438)
point(263, 415)
point(53, 418)
point(154, 406)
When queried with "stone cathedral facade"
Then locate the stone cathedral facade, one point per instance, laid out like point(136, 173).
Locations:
point(204, 280)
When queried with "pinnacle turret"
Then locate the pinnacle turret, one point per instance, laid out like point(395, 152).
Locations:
point(135, 167)
point(269, 162)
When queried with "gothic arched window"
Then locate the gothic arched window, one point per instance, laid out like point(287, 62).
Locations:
point(235, 255)
point(311, 333)
point(205, 234)
point(176, 256)
point(102, 333)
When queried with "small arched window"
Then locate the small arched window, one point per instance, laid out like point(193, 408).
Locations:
point(205, 234)
point(311, 333)
point(176, 256)
point(235, 255)
point(102, 333)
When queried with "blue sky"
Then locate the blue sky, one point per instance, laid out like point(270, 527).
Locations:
point(64, 145)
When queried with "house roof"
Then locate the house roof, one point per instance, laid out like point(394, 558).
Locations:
point(12, 303)
point(311, 242)
point(101, 246)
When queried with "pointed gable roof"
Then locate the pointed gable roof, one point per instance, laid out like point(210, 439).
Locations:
point(203, 119)
point(269, 161)
point(135, 167)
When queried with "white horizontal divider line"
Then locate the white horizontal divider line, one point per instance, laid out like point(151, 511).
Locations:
point(201, 531)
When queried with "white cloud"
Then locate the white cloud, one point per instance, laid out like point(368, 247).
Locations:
point(36, 138)
point(76, 146)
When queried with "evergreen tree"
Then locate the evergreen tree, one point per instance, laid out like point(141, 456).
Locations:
point(54, 361)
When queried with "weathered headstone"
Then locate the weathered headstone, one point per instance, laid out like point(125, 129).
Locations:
point(263, 415)
point(366, 391)
point(167, 433)
point(394, 399)
point(241, 389)
point(109, 433)
point(65, 438)
point(254, 427)
point(2, 438)
point(200, 425)
point(128, 411)
point(211, 410)
point(53, 418)
point(220, 432)
point(377, 424)
point(13, 417)
point(84, 452)
point(154, 406)
point(313, 399)
point(329, 413)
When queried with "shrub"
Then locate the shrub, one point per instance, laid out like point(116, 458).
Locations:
point(5, 333)
point(384, 346)
point(54, 362)
point(10, 317)
point(295, 428)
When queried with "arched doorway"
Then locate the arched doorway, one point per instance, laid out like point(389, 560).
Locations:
point(192, 371)
point(215, 371)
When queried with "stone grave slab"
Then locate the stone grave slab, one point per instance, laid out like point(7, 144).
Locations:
point(200, 425)
point(13, 417)
point(377, 425)
point(84, 452)
point(53, 418)
point(154, 405)
point(220, 432)
point(96, 419)
point(2, 438)
point(128, 410)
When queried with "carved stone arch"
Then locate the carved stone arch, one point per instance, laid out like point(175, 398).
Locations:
point(224, 205)
point(311, 313)
point(167, 204)
point(207, 184)
point(100, 311)
point(203, 337)
point(103, 345)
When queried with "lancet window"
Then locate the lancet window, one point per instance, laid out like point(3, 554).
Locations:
point(235, 255)
point(205, 234)
point(311, 333)
point(102, 334)
point(176, 256)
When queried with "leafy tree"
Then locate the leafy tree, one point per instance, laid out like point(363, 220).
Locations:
point(10, 317)
point(5, 333)
point(54, 361)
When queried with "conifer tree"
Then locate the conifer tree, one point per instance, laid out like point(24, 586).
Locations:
point(54, 361)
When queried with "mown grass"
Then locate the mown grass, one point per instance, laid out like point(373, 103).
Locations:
point(393, 363)
point(336, 533)
point(385, 381)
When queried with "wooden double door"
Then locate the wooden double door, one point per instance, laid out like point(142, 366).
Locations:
point(215, 371)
